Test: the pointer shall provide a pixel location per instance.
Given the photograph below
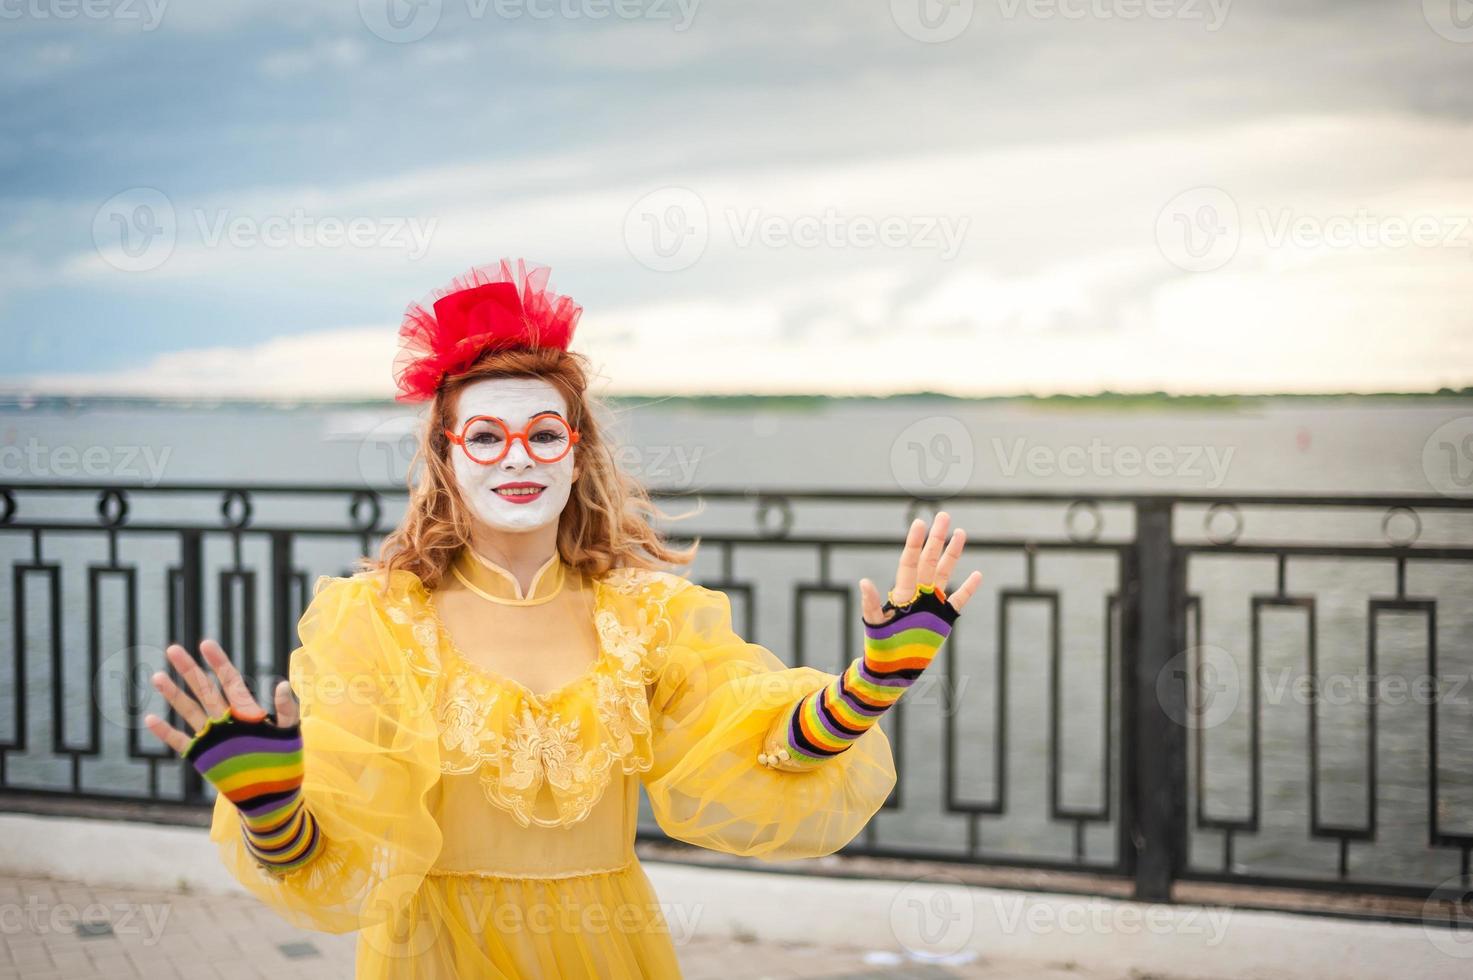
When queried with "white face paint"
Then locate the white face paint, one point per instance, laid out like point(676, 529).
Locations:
point(516, 401)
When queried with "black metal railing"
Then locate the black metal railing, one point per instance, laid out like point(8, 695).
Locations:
point(1080, 719)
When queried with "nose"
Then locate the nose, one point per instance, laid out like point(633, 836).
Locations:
point(517, 457)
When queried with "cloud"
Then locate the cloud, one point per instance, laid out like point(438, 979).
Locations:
point(351, 362)
point(1050, 144)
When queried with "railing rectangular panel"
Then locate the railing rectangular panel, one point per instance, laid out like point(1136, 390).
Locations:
point(1100, 753)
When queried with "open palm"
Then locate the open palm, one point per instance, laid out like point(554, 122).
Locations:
point(211, 701)
point(927, 559)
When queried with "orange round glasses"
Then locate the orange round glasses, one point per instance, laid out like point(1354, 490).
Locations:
point(486, 439)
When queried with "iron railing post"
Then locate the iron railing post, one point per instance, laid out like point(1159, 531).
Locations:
point(192, 616)
point(1153, 831)
point(282, 639)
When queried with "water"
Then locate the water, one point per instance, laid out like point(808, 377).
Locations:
point(933, 448)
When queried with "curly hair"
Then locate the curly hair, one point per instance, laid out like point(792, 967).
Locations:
point(606, 522)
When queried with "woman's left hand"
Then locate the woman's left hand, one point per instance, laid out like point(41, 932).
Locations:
point(927, 559)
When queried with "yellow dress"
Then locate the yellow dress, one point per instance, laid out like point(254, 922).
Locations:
point(476, 825)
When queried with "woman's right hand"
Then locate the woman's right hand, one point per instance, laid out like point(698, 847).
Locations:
point(211, 702)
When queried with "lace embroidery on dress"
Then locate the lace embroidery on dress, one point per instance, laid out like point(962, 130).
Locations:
point(570, 740)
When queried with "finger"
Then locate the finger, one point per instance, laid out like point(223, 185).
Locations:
point(963, 593)
point(166, 733)
point(871, 605)
point(237, 692)
point(182, 703)
point(204, 689)
point(286, 706)
point(931, 552)
point(949, 558)
point(910, 558)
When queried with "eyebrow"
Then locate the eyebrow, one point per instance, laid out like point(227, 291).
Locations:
point(534, 415)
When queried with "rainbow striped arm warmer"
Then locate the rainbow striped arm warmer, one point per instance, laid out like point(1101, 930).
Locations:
point(826, 722)
point(257, 765)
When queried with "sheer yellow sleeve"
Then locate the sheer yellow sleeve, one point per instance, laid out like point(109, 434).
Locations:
point(715, 701)
point(370, 757)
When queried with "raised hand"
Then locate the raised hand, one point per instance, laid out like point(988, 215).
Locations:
point(211, 703)
point(253, 760)
point(926, 560)
point(902, 635)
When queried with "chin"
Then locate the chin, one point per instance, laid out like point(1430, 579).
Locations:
point(517, 517)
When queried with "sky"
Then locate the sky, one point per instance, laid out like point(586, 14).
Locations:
point(239, 198)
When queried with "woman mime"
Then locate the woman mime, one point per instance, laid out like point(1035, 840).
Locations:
point(480, 703)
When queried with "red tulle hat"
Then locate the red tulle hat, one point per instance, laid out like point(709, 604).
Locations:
point(490, 307)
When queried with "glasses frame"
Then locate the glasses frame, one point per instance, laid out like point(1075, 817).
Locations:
point(511, 437)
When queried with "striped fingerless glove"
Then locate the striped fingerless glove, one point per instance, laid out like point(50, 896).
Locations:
point(257, 765)
point(828, 721)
